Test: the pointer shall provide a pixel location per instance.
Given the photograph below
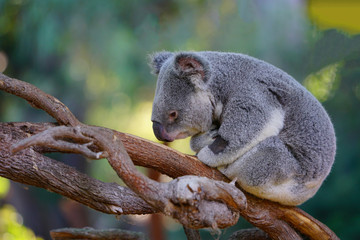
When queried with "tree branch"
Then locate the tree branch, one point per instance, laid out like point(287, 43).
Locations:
point(277, 220)
point(90, 233)
point(189, 199)
point(32, 168)
point(38, 99)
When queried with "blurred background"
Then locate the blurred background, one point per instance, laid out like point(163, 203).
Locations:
point(92, 55)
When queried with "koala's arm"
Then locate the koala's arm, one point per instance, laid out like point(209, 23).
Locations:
point(246, 121)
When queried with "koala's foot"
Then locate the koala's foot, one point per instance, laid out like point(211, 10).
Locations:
point(199, 202)
point(270, 171)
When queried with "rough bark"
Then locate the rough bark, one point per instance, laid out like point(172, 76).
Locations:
point(189, 199)
point(32, 168)
point(279, 222)
point(90, 233)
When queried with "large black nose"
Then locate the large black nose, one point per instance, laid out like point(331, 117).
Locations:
point(160, 132)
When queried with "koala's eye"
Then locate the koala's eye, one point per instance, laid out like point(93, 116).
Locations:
point(173, 115)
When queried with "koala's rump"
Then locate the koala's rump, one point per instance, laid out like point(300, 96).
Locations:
point(309, 135)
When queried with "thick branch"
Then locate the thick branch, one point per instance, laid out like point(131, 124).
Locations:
point(32, 168)
point(90, 233)
point(259, 212)
point(197, 202)
point(270, 217)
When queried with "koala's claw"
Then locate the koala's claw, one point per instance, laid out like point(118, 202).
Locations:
point(218, 145)
point(235, 195)
point(191, 189)
point(214, 133)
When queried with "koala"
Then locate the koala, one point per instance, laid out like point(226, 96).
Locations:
point(247, 118)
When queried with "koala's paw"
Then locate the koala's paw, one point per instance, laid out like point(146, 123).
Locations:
point(202, 140)
point(214, 155)
point(218, 145)
point(207, 156)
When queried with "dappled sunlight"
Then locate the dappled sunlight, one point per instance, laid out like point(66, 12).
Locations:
point(322, 84)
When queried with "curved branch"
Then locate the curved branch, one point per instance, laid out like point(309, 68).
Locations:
point(259, 212)
point(273, 218)
point(38, 99)
point(189, 199)
point(32, 168)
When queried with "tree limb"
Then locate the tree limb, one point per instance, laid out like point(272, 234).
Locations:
point(38, 99)
point(32, 168)
point(276, 220)
point(196, 202)
point(90, 233)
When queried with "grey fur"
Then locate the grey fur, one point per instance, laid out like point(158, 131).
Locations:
point(248, 118)
point(157, 60)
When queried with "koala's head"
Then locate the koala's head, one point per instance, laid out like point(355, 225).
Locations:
point(183, 103)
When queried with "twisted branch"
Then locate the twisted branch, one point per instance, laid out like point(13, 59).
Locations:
point(276, 220)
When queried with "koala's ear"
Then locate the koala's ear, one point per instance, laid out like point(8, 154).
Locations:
point(187, 64)
point(156, 60)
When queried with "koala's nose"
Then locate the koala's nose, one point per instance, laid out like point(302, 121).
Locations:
point(160, 132)
point(173, 115)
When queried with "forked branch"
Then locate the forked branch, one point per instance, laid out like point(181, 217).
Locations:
point(278, 221)
point(188, 199)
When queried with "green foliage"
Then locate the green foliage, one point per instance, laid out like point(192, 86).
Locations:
point(92, 56)
point(4, 186)
point(11, 227)
point(323, 83)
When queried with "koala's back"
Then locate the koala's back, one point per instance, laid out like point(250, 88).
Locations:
point(307, 131)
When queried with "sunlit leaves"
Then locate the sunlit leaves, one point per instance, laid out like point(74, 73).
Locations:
point(4, 186)
point(11, 227)
point(11, 222)
point(323, 83)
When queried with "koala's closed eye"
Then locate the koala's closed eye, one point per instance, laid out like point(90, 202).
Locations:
point(218, 145)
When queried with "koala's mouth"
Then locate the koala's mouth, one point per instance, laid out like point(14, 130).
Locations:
point(162, 135)
point(177, 135)
point(182, 135)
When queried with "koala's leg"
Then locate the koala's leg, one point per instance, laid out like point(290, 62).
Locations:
point(270, 171)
